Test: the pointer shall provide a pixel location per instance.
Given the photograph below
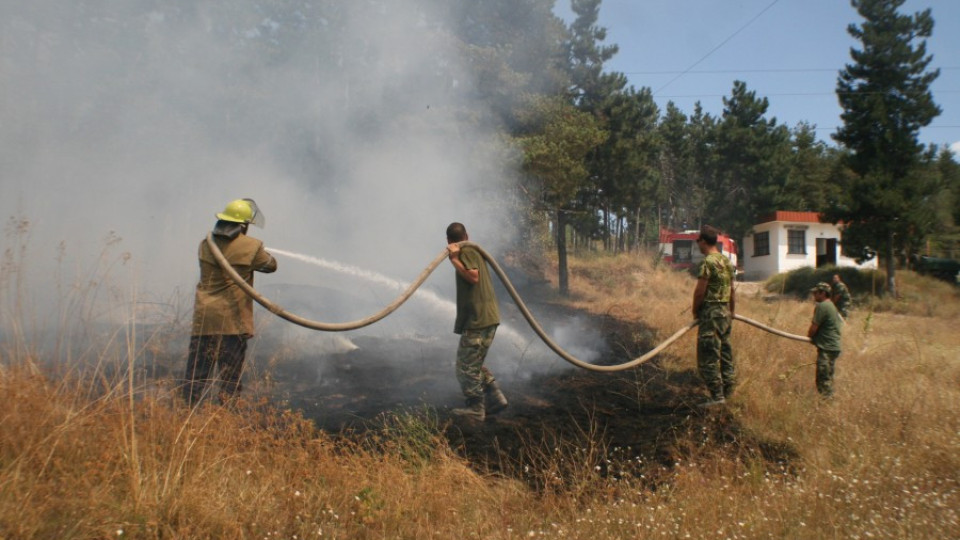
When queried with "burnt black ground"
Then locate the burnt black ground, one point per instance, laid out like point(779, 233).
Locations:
point(639, 422)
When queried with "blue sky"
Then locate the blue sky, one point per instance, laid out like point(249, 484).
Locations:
point(789, 51)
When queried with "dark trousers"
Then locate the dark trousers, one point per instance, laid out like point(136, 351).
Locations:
point(225, 352)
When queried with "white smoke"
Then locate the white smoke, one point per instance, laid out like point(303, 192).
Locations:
point(137, 121)
point(125, 125)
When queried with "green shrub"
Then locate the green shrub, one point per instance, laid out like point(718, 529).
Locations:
point(862, 283)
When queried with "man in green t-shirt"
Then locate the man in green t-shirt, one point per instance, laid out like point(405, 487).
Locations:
point(713, 307)
point(478, 315)
point(824, 333)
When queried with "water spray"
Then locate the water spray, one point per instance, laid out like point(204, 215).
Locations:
point(379, 279)
point(408, 292)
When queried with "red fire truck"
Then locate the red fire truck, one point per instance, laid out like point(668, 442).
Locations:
point(680, 249)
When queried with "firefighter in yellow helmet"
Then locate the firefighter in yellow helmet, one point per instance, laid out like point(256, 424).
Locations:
point(223, 312)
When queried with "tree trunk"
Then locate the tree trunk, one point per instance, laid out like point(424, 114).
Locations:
point(606, 227)
point(891, 267)
point(636, 231)
point(562, 253)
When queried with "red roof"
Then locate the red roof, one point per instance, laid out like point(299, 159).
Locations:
point(786, 215)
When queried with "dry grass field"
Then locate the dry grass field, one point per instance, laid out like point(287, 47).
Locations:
point(107, 453)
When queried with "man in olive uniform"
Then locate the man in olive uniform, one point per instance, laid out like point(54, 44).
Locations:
point(840, 295)
point(713, 307)
point(223, 312)
point(825, 333)
point(478, 315)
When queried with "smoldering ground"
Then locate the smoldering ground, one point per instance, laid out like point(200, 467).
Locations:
point(636, 424)
point(347, 379)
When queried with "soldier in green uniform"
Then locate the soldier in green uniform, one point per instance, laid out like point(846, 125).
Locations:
point(478, 315)
point(825, 333)
point(840, 295)
point(222, 311)
point(713, 307)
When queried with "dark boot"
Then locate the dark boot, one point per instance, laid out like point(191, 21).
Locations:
point(494, 399)
point(474, 411)
point(712, 402)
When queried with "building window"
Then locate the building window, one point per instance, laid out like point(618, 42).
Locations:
point(761, 244)
point(796, 242)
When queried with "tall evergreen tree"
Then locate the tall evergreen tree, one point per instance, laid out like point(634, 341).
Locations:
point(586, 54)
point(702, 175)
point(626, 165)
point(752, 162)
point(676, 164)
point(808, 187)
point(594, 92)
point(886, 99)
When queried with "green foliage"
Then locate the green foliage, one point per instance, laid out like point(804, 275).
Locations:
point(940, 268)
point(753, 162)
point(414, 436)
point(886, 99)
point(555, 141)
point(808, 186)
point(676, 169)
point(556, 138)
point(861, 283)
point(585, 56)
point(626, 167)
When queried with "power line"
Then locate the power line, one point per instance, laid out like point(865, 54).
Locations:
point(924, 127)
point(771, 70)
point(795, 94)
point(722, 43)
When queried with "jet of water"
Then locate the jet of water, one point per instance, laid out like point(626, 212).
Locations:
point(446, 306)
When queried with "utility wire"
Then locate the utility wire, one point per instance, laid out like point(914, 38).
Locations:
point(797, 94)
point(722, 43)
point(767, 70)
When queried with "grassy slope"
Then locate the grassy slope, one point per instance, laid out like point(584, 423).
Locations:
point(880, 460)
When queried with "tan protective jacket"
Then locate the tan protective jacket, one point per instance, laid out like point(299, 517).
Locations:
point(221, 307)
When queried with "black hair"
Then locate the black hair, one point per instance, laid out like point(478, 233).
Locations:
point(456, 232)
point(709, 235)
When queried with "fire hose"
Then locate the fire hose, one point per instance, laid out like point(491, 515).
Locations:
point(406, 294)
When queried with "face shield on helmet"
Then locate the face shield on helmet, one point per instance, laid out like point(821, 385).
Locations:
point(243, 211)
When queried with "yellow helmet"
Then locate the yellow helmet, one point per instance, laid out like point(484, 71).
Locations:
point(242, 211)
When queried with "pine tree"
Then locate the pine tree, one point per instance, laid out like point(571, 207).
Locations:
point(753, 162)
point(886, 99)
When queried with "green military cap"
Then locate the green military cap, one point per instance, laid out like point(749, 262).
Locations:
point(822, 287)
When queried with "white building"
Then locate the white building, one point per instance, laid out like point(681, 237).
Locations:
point(785, 241)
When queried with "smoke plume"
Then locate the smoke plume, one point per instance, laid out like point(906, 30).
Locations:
point(126, 125)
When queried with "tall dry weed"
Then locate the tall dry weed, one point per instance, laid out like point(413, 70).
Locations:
point(105, 452)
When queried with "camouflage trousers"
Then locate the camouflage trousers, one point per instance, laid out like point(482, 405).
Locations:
point(471, 373)
point(826, 360)
point(714, 354)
